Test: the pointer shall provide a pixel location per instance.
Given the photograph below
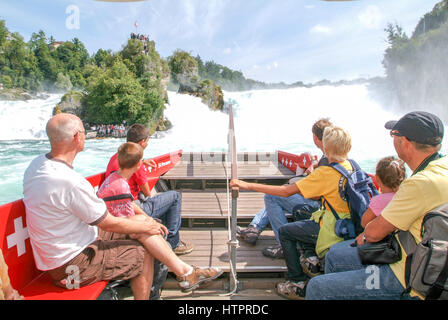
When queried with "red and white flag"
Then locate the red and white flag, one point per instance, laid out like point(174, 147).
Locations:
point(136, 24)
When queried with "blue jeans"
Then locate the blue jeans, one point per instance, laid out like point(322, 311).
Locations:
point(346, 278)
point(166, 207)
point(275, 207)
point(261, 220)
point(303, 234)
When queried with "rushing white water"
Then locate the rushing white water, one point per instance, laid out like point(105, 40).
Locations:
point(265, 120)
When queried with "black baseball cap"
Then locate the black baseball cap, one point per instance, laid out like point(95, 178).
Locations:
point(419, 126)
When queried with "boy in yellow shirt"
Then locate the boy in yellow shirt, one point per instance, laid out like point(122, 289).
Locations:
point(315, 236)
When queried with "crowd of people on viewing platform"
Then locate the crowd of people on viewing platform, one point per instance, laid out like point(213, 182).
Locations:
point(139, 36)
point(110, 130)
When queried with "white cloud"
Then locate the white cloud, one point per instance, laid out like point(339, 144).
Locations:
point(310, 6)
point(227, 51)
point(371, 17)
point(321, 29)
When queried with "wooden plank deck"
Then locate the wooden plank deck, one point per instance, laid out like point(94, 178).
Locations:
point(212, 204)
point(186, 170)
point(211, 250)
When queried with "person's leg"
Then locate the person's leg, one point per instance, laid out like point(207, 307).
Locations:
point(141, 284)
point(369, 283)
point(342, 257)
point(256, 226)
point(166, 207)
point(161, 250)
point(303, 233)
point(189, 277)
point(276, 207)
point(160, 274)
point(261, 220)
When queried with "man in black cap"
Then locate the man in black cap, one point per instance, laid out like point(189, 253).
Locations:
point(417, 138)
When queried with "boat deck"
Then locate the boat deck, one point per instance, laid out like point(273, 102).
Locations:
point(202, 180)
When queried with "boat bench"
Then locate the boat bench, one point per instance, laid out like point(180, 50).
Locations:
point(25, 277)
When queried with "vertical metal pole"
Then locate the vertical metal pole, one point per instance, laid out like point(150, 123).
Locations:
point(235, 194)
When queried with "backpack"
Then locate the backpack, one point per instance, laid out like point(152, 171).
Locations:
point(358, 191)
point(426, 268)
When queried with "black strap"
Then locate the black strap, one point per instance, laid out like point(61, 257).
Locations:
point(407, 276)
point(119, 197)
point(439, 286)
point(426, 162)
point(331, 208)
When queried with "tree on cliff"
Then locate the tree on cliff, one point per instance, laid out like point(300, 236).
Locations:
point(115, 94)
point(184, 69)
point(416, 69)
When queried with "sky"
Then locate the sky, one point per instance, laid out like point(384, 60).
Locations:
point(268, 40)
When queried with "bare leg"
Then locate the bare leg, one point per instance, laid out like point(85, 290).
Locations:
point(141, 285)
point(161, 250)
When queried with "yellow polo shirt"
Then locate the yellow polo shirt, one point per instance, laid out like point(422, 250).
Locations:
point(324, 181)
point(417, 196)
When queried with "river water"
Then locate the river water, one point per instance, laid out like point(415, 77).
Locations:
point(265, 120)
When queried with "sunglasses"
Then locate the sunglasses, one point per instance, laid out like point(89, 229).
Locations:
point(395, 133)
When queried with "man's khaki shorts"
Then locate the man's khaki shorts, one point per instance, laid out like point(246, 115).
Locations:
point(112, 256)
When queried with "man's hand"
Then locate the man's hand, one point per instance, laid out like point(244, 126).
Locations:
point(153, 227)
point(360, 239)
point(151, 163)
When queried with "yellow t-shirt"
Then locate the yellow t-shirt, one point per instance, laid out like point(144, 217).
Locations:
point(324, 181)
point(417, 196)
point(4, 278)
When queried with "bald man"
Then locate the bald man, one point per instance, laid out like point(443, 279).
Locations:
point(73, 236)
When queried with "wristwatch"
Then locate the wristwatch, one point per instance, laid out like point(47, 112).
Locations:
point(364, 238)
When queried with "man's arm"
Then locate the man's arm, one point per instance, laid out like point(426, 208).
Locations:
point(129, 226)
point(144, 188)
point(376, 230)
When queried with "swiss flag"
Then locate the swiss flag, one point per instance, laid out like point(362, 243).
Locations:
point(136, 24)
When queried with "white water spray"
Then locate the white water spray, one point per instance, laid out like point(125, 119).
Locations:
point(265, 120)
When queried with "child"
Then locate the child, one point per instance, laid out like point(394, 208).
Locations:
point(6, 290)
point(116, 192)
point(315, 236)
point(390, 173)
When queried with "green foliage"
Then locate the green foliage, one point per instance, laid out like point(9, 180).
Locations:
point(416, 67)
point(225, 77)
point(63, 82)
point(184, 68)
point(116, 95)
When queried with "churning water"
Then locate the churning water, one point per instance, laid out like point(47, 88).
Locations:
point(265, 120)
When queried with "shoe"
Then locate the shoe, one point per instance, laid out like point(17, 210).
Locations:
point(198, 276)
point(310, 266)
point(274, 252)
point(249, 235)
point(292, 290)
point(183, 248)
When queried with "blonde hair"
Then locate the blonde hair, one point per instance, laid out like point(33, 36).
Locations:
point(337, 143)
